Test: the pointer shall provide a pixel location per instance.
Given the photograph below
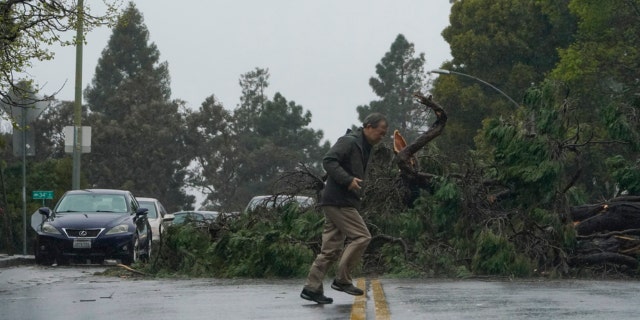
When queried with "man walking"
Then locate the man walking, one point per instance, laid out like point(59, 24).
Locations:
point(345, 164)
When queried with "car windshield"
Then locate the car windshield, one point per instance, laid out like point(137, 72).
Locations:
point(180, 218)
point(278, 201)
point(152, 213)
point(189, 216)
point(92, 203)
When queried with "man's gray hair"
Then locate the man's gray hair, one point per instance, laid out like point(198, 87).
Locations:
point(374, 120)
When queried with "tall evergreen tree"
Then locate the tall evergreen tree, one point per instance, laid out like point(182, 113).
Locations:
point(511, 44)
point(138, 133)
point(600, 70)
point(49, 141)
point(253, 98)
point(212, 148)
point(605, 59)
point(400, 73)
point(280, 139)
point(249, 150)
point(128, 72)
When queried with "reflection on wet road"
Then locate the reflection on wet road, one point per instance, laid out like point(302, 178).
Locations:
point(32, 292)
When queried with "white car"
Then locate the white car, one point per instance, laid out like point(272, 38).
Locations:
point(198, 217)
point(155, 215)
point(275, 201)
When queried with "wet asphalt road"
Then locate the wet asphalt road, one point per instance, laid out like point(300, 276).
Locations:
point(33, 292)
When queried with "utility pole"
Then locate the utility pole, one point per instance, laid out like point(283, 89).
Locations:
point(77, 113)
point(23, 126)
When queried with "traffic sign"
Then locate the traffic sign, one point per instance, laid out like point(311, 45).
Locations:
point(42, 194)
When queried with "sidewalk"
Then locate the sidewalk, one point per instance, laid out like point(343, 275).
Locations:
point(15, 260)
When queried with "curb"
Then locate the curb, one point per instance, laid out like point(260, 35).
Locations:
point(15, 260)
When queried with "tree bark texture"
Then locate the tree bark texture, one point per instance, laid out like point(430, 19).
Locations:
point(615, 217)
point(607, 233)
point(407, 167)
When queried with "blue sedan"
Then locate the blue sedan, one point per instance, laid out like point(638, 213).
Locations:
point(93, 225)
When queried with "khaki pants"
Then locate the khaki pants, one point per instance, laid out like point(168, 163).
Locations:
point(341, 223)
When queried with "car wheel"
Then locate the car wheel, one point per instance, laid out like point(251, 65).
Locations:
point(133, 253)
point(43, 259)
point(62, 261)
point(144, 255)
point(147, 254)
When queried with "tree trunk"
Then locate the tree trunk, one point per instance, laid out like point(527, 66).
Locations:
point(403, 160)
point(580, 213)
point(604, 257)
point(608, 233)
point(616, 217)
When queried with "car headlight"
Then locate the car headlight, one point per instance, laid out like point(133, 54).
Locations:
point(122, 228)
point(48, 228)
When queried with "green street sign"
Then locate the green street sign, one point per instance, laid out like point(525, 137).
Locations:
point(42, 195)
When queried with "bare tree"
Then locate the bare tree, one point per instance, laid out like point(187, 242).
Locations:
point(27, 29)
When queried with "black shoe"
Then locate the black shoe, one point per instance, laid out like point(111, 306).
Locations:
point(347, 288)
point(317, 297)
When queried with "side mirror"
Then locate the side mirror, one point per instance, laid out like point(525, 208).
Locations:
point(45, 211)
point(168, 217)
point(141, 211)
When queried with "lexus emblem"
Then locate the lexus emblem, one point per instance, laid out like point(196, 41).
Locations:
point(83, 233)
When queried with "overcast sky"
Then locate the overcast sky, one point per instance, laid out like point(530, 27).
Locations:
point(319, 53)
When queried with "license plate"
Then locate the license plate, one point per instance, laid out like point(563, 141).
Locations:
point(81, 243)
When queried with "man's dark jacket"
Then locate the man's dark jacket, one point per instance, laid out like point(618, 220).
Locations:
point(345, 160)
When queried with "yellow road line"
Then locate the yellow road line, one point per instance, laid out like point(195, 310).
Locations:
point(359, 308)
point(380, 303)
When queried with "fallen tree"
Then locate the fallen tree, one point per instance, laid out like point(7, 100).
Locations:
point(607, 233)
